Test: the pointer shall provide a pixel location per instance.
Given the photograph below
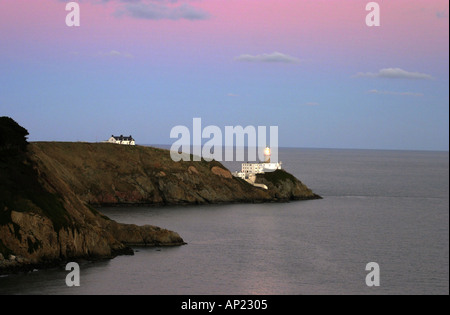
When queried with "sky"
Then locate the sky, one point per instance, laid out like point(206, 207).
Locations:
point(314, 68)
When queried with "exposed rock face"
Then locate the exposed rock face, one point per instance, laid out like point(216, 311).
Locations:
point(282, 185)
point(32, 238)
point(105, 174)
point(46, 198)
point(35, 239)
point(42, 221)
point(221, 172)
point(147, 235)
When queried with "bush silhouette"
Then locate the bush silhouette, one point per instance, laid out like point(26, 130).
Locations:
point(13, 137)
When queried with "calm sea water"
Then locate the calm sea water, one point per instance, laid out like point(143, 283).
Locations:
point(389, 207)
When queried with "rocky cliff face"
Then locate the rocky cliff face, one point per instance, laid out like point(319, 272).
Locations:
point(42, 221)
point(47, 196)
point(105, 174)
point(284, 186)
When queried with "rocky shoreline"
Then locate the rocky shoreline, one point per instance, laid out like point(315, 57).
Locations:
point(49, 191)
point(18, 264)
point(105, 175)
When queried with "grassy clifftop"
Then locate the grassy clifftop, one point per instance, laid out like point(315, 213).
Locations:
point(48, 190)
point(108, 174)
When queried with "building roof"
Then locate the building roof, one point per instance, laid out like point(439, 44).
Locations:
point(122, 138)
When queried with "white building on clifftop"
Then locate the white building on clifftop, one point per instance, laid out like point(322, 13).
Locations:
point(122, 140)
point(248, 170)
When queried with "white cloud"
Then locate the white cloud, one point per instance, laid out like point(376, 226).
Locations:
point(161, 11)
point(374, 91)
point(396, 73)
point(273, 57)
point(155, 9)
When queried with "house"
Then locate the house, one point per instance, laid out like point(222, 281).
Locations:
point(122, 140)
point(260, 168)
point(252, 168)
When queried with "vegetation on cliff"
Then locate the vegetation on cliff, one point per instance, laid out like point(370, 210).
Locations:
point(20, 189)
point(42, 221)
point(48, 191)
point(103, 174)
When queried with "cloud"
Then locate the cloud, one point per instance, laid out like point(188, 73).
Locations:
point(395, 73)
point(441, 14)
point(155, 9)
point(115, 53)
point(273, 57)
point(160, 11)
point(232, 95)
point(374, 91)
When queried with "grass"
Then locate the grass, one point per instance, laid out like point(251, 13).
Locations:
point(278, 176)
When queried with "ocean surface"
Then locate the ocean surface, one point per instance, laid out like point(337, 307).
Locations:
point(388, 207)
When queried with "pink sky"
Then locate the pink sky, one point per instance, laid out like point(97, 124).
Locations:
point(251, 23)
point(142, 61)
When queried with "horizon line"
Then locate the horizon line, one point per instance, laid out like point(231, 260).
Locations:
point(279, 147)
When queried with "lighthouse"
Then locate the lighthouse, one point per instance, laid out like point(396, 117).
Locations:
point(267, 154)
point(249, 170)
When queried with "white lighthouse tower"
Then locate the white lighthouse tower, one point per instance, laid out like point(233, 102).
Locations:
point(268, 166)
point(249, 170)
point(267, 155)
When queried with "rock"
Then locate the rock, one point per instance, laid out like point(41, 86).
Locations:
point(284, 186)
point(149, 176)
point(54, 219)
point(146, 235)
point(221, 172)
point(44, 222)
point(192, 170)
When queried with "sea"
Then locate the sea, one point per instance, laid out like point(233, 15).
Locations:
point(385, 207)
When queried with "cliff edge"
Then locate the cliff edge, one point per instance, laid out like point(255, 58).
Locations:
point(49, 191)
point(43, 222)
point(103, 174)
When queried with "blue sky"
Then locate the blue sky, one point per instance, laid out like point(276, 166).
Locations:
point(312, 68)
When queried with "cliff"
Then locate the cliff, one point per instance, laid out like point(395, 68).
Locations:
point(102, 174)
point(43, 222)
point(48, 192)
